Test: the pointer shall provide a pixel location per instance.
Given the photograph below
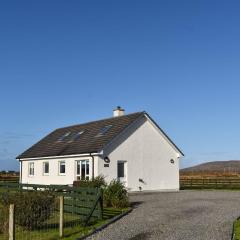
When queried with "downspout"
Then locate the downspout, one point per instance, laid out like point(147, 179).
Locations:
point(20, 180)
point(92, 165)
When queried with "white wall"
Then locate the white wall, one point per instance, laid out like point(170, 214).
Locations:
point(148, 156)
point(146, 151)
point(54, 177)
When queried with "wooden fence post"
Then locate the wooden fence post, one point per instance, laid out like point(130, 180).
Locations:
point(61, 219)
point(11, 222)
point(101, 204)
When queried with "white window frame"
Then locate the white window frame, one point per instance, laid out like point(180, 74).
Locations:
point(30, 173)
point(79, 175)
point(44, 173)
point(59, 167)
point(124, 179)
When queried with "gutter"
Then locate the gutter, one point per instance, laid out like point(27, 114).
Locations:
point(60, 156)
point(20, 179)
point(92, 165)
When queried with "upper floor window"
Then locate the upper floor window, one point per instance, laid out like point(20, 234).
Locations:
point(31, 169)
point(62, 168)
point(64, 136)
point(76, 136)
point(45, 168)
point(103, 130)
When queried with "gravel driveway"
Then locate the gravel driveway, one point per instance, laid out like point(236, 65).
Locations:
point(185, 215)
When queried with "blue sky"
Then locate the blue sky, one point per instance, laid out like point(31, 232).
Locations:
point(68, 62)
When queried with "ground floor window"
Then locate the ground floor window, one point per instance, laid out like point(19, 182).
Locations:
point(82, 170)
point(31, 169)
point(62, 168)
point(120, 170)
point(45, 168)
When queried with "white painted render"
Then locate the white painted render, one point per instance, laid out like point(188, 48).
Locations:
point(145, 149)
point(148, 155)
point(54, 177)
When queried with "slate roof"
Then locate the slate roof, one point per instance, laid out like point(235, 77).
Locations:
point(87, 142)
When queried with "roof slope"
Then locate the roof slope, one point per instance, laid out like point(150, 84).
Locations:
point(88, 141)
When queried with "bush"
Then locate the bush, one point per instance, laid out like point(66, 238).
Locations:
point(32, 209)
point(97, 182)
point(3, 219)
point(115, 195)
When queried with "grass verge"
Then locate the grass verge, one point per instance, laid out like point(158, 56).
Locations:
point(72, 230)
point(236, 230)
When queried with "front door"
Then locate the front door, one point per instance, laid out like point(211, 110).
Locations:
point(122, 172)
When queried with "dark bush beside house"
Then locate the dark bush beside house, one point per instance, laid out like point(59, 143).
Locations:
point(97, 182)
point(115, 195)
point(3, 219)
point(32, 209)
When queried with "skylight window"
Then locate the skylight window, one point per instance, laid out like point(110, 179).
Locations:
point(76, 136)
point(64, 136)
point(103, 131)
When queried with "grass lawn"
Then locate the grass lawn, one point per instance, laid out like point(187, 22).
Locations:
point(73, 225)
point(73, 228)
point(236, 230)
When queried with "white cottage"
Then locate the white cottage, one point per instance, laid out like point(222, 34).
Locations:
point(131, 148)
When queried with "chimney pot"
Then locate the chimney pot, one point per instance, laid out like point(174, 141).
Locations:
point(118, 112)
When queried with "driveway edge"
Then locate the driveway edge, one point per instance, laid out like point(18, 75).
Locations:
point(233, 229)
point(114, 219)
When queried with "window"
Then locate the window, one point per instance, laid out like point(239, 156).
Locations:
point(76, 136)
point(64, 136)
point(46, 168)
point(120, 169)
point(31, 169)
point(82, 170)
point(62, 168)
point(103, 130)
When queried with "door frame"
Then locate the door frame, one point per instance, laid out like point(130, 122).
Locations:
point(80, 174)
point(125, 179)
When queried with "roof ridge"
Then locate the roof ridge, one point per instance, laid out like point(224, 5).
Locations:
point(48, 146)
point(104, 119)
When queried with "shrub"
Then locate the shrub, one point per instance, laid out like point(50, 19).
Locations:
point(32, 209)
point(115, 195)
point(97, 182)
point(3, 219)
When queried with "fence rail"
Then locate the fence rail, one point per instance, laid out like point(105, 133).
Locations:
point(210, 183)
point(83, 201)
point(14, 179)
point(77, 206)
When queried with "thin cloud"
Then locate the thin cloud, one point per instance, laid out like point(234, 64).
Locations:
point(14, 135)
point(216, 153)
point(7, 138)
point(4, 153)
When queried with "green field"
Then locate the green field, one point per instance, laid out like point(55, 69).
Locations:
point(4, 178)
point(236, 230)
point(210, 183)
point(73, 228)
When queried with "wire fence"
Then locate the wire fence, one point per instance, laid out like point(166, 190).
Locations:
point(210, 183)
point(43, 212)
point(4, 223)
point(9, 178)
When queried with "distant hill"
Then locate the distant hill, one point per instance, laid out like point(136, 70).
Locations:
point(213, 168)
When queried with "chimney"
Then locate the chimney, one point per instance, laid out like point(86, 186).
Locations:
point(118, 112)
